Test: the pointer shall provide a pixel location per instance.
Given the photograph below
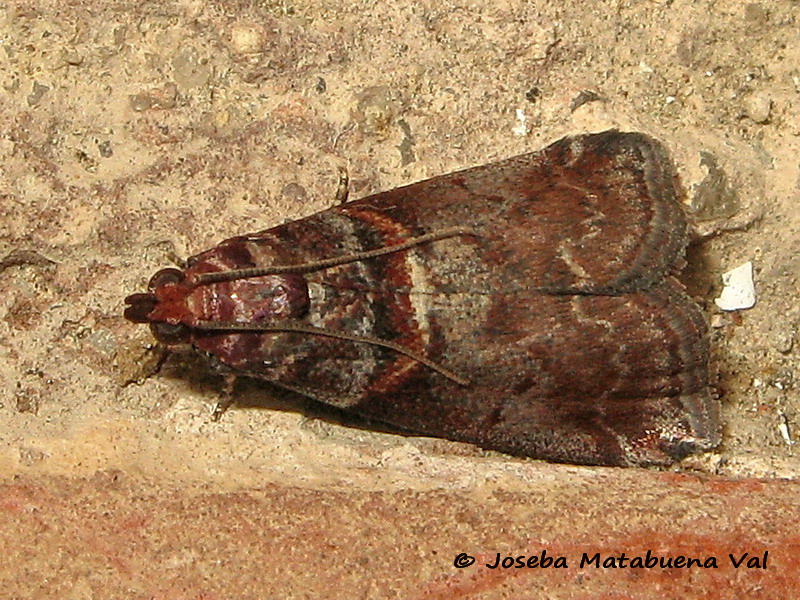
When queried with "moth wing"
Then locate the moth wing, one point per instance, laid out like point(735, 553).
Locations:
point(615, 380)
point(597, 213)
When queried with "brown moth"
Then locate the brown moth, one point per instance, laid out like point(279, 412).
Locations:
point(527, 306)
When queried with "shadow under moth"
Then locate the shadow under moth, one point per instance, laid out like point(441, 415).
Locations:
point(528, 306)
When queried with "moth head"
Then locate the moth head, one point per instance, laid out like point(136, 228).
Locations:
point(167, 293)
point(179, 304)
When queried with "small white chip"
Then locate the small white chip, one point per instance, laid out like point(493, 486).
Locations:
point(738, 292)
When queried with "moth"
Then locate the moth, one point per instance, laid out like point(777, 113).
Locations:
point(528, 306)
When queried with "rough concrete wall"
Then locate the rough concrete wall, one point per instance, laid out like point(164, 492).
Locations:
point(134, 135)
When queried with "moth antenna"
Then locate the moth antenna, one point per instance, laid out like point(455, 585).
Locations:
point(319, 265)
point(310, 329)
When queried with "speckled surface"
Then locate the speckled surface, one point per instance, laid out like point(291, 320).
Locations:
point(132, 136)
point(128, 538)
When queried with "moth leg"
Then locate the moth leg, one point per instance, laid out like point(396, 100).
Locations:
point(170, 252)
point(226, 399)
point(343, 186)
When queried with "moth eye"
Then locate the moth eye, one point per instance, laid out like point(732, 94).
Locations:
point(169, 333)
point(166, 277)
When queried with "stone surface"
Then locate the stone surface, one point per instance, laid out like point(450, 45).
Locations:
point(213, 110)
